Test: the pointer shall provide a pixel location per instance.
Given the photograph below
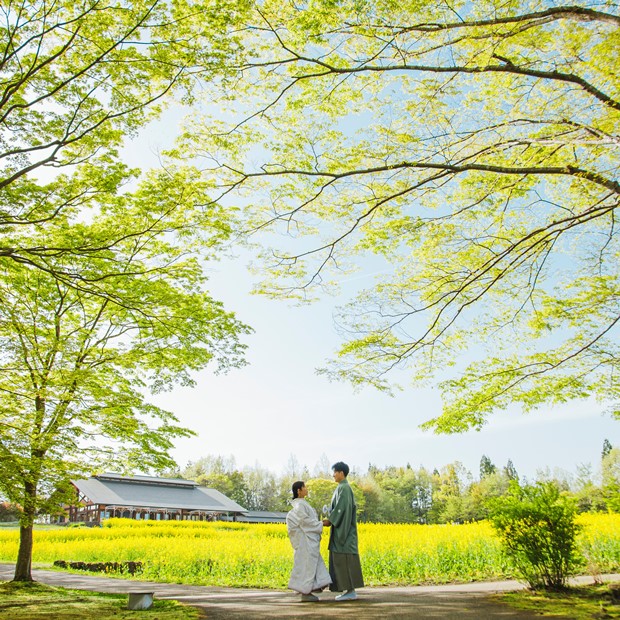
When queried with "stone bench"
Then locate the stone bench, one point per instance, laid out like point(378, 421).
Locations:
point(140, 600)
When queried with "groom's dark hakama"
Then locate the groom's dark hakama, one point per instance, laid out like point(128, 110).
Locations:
point(344, 560)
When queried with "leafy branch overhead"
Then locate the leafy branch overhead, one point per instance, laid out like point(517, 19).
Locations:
point(468, 152)
point(77, 80)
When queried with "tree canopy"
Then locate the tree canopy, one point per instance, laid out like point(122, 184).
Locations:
point(77, 79)
point(468, 151)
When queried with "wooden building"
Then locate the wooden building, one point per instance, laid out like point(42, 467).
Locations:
point(144, 497)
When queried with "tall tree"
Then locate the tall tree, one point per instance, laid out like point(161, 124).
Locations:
point(589, 496)
point(470, 149)
point(486, 467)
point(220, 473)
point(322, 468)
point(373, 498)
point(422, 497)
point(76, 367)
point(480, 493)
point(448, 486)
point(510, 471)
point(410, 493)
point(261, 489)
point(610, 474)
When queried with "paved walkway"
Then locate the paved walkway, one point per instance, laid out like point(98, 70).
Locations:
point(448, 602)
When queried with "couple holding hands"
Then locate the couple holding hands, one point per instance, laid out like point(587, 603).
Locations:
point(304, 529)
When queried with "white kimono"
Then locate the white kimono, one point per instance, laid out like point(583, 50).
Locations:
point(304, 530)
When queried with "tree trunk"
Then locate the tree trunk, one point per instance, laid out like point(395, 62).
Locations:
point(24, 555)
point(23, 568)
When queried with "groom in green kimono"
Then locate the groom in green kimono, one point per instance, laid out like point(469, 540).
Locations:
point(344, 560)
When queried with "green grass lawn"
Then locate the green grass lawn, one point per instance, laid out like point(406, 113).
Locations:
point(591, 602)
point(35, 601)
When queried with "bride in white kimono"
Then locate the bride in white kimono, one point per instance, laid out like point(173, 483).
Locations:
point(304, 530)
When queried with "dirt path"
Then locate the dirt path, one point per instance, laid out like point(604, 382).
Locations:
point(470, 601)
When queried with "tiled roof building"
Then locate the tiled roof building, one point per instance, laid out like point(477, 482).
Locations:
point(144, 497)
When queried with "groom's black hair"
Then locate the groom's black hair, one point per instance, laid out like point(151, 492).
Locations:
point(340, 466)
point(296, 487)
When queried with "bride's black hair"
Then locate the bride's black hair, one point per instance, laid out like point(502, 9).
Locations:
point(296, 488)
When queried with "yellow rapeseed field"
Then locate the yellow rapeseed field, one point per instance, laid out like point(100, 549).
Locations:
point(255, 555)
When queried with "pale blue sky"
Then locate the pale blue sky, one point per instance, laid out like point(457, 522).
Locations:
point(277, 406)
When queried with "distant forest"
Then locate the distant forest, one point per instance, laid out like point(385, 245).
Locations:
point(451, 494)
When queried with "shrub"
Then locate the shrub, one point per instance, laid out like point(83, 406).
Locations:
point(536, 525)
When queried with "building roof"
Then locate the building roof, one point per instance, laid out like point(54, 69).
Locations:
point(176, 482)
point(150, 492)
point(262, 516)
